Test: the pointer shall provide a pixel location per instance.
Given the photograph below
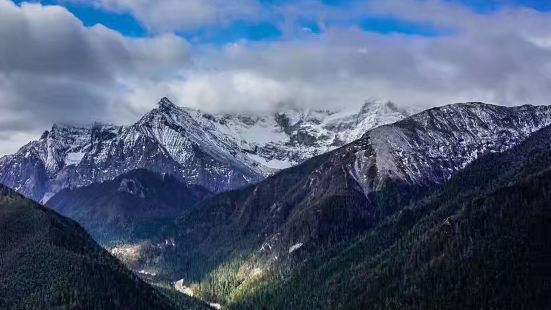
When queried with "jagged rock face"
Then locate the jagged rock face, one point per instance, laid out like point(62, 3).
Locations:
point(132, 188)
point(218, 152)
point(429, 147)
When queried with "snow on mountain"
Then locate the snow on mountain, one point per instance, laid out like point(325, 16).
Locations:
point(431, 146)
point(287, 138)
point(217, 151)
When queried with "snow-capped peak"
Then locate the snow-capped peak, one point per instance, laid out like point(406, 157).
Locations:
point(166, 103)
point(379, 107)
point(217, 151)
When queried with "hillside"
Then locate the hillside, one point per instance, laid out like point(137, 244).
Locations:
point(48, 261)
point(130, 208)
point(481, 241)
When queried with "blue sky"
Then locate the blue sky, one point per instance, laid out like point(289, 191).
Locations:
point(89, 15)
point(269, 28)
point(492, 5)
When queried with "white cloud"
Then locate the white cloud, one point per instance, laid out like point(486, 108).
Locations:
point(85, 74)
point(176, 15)
point(52, 68)
point(503, 58)
point(237, 89)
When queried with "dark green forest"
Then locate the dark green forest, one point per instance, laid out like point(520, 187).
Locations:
point(130, 208)
point(489, 252)
point(48, 261)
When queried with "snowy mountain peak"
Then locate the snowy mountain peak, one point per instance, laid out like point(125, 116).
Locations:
point(165, 103)
point(166, 107)
point(217, 151)
point(167, 114)
point(429, 147)
point(379, 107)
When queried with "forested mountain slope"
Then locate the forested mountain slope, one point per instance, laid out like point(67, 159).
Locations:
point(480, 241)
point(48, 261)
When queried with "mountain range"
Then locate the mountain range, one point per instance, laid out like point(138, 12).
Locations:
point(445, 208)
point(334, 196)
point(217, 151)
point(296, 239)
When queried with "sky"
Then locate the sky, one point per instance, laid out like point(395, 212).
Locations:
point(81, 61)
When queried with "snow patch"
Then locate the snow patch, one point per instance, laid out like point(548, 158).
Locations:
point(295, 247)
point(74, 158)
point(276, 164)
point(47, 197)
point(147, 273)
point(180, 287)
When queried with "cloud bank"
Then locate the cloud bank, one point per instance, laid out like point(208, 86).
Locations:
point(52, 68)
point(56, 69)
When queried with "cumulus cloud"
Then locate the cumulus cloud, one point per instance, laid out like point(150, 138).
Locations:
point(502, 57)
point(55, 69)
point(159, 16)
point(52, 68)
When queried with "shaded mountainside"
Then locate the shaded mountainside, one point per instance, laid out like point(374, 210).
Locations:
point(336, 196)
point(48, 261)
point(132, 207)
point(217, 151)
point(480, 241)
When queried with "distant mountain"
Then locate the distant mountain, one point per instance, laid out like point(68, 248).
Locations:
point(287, 138)
point(48, 262)
point(129, 208)
point(219, 152)
point(341, 194)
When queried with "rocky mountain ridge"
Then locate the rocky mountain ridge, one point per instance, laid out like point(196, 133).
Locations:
point(218, 152)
